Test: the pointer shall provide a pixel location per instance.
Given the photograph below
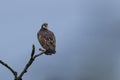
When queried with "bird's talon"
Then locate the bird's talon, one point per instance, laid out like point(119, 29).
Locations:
point(40, 49)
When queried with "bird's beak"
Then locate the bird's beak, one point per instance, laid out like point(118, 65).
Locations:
point(45, 27)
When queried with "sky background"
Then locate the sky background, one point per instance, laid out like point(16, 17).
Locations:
point(87, 33)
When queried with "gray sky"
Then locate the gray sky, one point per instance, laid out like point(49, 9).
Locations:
point(87, 33)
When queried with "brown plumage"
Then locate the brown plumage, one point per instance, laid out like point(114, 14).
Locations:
point(47, 39)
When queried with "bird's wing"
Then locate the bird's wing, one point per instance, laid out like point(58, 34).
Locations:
point(47, 39)
point(42, 39)
point(51, 38)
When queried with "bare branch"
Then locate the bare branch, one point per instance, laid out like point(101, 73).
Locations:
point(33, 57)
point(7, 66)
point(37, 55)
point(33, 50)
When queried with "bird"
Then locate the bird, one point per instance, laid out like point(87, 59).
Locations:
point(47, 39)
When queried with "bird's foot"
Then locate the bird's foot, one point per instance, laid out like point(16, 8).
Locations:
point(41, 49)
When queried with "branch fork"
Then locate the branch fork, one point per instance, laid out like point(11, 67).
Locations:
point(32, 58)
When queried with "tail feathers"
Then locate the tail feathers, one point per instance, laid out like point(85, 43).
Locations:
point(50, 52)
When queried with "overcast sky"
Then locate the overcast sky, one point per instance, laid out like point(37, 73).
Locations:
point(87, 33)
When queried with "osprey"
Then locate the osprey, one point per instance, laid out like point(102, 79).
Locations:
point(47, 39)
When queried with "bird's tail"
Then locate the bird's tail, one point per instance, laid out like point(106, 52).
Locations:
point(50, 52)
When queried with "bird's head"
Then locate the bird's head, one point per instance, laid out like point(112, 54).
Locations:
point(44, 26)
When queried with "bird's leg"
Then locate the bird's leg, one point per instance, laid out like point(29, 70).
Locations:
point(43, 51)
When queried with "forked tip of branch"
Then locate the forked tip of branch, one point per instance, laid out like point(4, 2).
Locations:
point(33, 50)
point(33, 46)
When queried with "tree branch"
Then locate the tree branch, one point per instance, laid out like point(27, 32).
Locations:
point(33, 57)
point(7, 66)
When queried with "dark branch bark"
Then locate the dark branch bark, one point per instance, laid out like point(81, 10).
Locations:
point(7, 66)
point(33, 57)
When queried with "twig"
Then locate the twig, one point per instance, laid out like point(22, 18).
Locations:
point(33, 57)
point(7, 66)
